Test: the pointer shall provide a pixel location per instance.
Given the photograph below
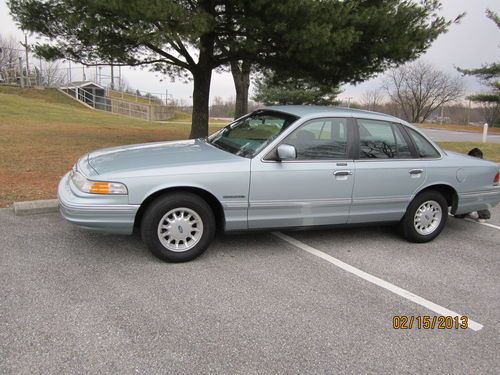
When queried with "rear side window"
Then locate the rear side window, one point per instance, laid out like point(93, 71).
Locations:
point(381, 140)
point(424, 148)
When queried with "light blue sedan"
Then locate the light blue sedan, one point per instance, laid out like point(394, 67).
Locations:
point(280, 167)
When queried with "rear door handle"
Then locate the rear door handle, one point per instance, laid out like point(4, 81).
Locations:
point(416, 171)
point(342, 173)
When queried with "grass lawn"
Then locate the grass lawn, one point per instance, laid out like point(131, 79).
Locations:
point(43, 132)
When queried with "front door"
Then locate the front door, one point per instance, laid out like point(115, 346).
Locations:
point(313, 189)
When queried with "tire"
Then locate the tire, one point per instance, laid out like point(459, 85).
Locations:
point(187, 227)
point(433, 210)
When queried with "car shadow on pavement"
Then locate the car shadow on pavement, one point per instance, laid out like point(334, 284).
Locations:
point(256, 244)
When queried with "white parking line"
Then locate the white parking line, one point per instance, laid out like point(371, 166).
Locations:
point(485, 224)
point(477, 222)
point(475, 326)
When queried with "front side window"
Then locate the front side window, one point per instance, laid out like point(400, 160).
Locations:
point(424, 148)
point(320, 139)
point(249, 135)
point(381, 140)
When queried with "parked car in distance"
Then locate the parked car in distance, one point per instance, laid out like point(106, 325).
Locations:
point(281, 167)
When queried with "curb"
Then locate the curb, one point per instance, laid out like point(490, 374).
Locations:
point(36, 207)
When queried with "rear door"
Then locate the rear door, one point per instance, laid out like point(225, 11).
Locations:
point(387, 172)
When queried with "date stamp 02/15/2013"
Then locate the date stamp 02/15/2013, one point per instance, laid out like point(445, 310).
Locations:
point(430, 322)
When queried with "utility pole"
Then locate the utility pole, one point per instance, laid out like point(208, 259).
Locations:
point(40, 78)
point(21, 78)
point(69, 71)
point(112, 78)
point(26, 49)
point(442, 115)
point(83, 74)
point(468, 113)
point(120, 78)
point(349, 101)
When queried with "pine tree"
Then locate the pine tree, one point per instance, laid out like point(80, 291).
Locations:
point(327, 41)
point(490, 76)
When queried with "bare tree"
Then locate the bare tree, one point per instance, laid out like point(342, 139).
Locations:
point(490, 110)
point(372, 99)
point(51, 74)
point(419, 88)
point(9, 57)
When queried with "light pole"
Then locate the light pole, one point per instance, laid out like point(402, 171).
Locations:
point(26, 48)
point(112, 77)
point(468, 113)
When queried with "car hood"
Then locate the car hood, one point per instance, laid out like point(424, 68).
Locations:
point(156, 155)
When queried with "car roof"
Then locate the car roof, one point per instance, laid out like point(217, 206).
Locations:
point(311, 110)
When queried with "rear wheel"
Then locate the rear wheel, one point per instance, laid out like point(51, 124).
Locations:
point(178, 227)
point(425, 217)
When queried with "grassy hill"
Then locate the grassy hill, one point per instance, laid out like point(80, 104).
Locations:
point(43, 132)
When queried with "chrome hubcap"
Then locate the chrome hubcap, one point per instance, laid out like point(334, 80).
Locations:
point(428, 217)
point(180, 229)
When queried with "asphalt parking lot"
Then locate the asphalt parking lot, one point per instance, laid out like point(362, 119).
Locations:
point(73, 301)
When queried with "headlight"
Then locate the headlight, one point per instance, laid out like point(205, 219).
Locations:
point(97, 187)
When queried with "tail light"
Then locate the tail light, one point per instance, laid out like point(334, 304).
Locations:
point(496, 180)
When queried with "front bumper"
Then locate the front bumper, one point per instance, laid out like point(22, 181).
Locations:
point(110, 214)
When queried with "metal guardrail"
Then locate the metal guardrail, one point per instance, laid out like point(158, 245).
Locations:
point(149, 112)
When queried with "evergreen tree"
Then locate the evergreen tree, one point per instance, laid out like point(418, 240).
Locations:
point(330, 41)
point(335, 42)
point(490, 76)
point(272, 90)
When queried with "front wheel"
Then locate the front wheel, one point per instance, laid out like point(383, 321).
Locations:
point(178, 227)
point(425, 217)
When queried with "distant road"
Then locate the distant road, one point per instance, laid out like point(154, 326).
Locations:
point(454, 136)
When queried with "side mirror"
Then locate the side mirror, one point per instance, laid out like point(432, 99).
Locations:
point(286, 152)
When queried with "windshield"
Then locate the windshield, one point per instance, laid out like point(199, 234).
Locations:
point(249, 135)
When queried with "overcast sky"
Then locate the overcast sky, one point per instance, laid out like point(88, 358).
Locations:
point(471, 43)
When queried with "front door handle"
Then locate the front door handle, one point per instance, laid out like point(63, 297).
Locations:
point(342, 173)
point(416, 171)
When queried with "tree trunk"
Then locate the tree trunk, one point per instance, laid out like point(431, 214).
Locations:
point(241, 78)
point(201, 96)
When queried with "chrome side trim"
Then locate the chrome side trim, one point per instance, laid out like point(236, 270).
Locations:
point(293, 203)
point(331, 161)
point(233, 204)
point(377, 200)
point(475, 194)
point(395, 159)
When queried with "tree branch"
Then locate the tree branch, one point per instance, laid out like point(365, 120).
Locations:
point(173, 60)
